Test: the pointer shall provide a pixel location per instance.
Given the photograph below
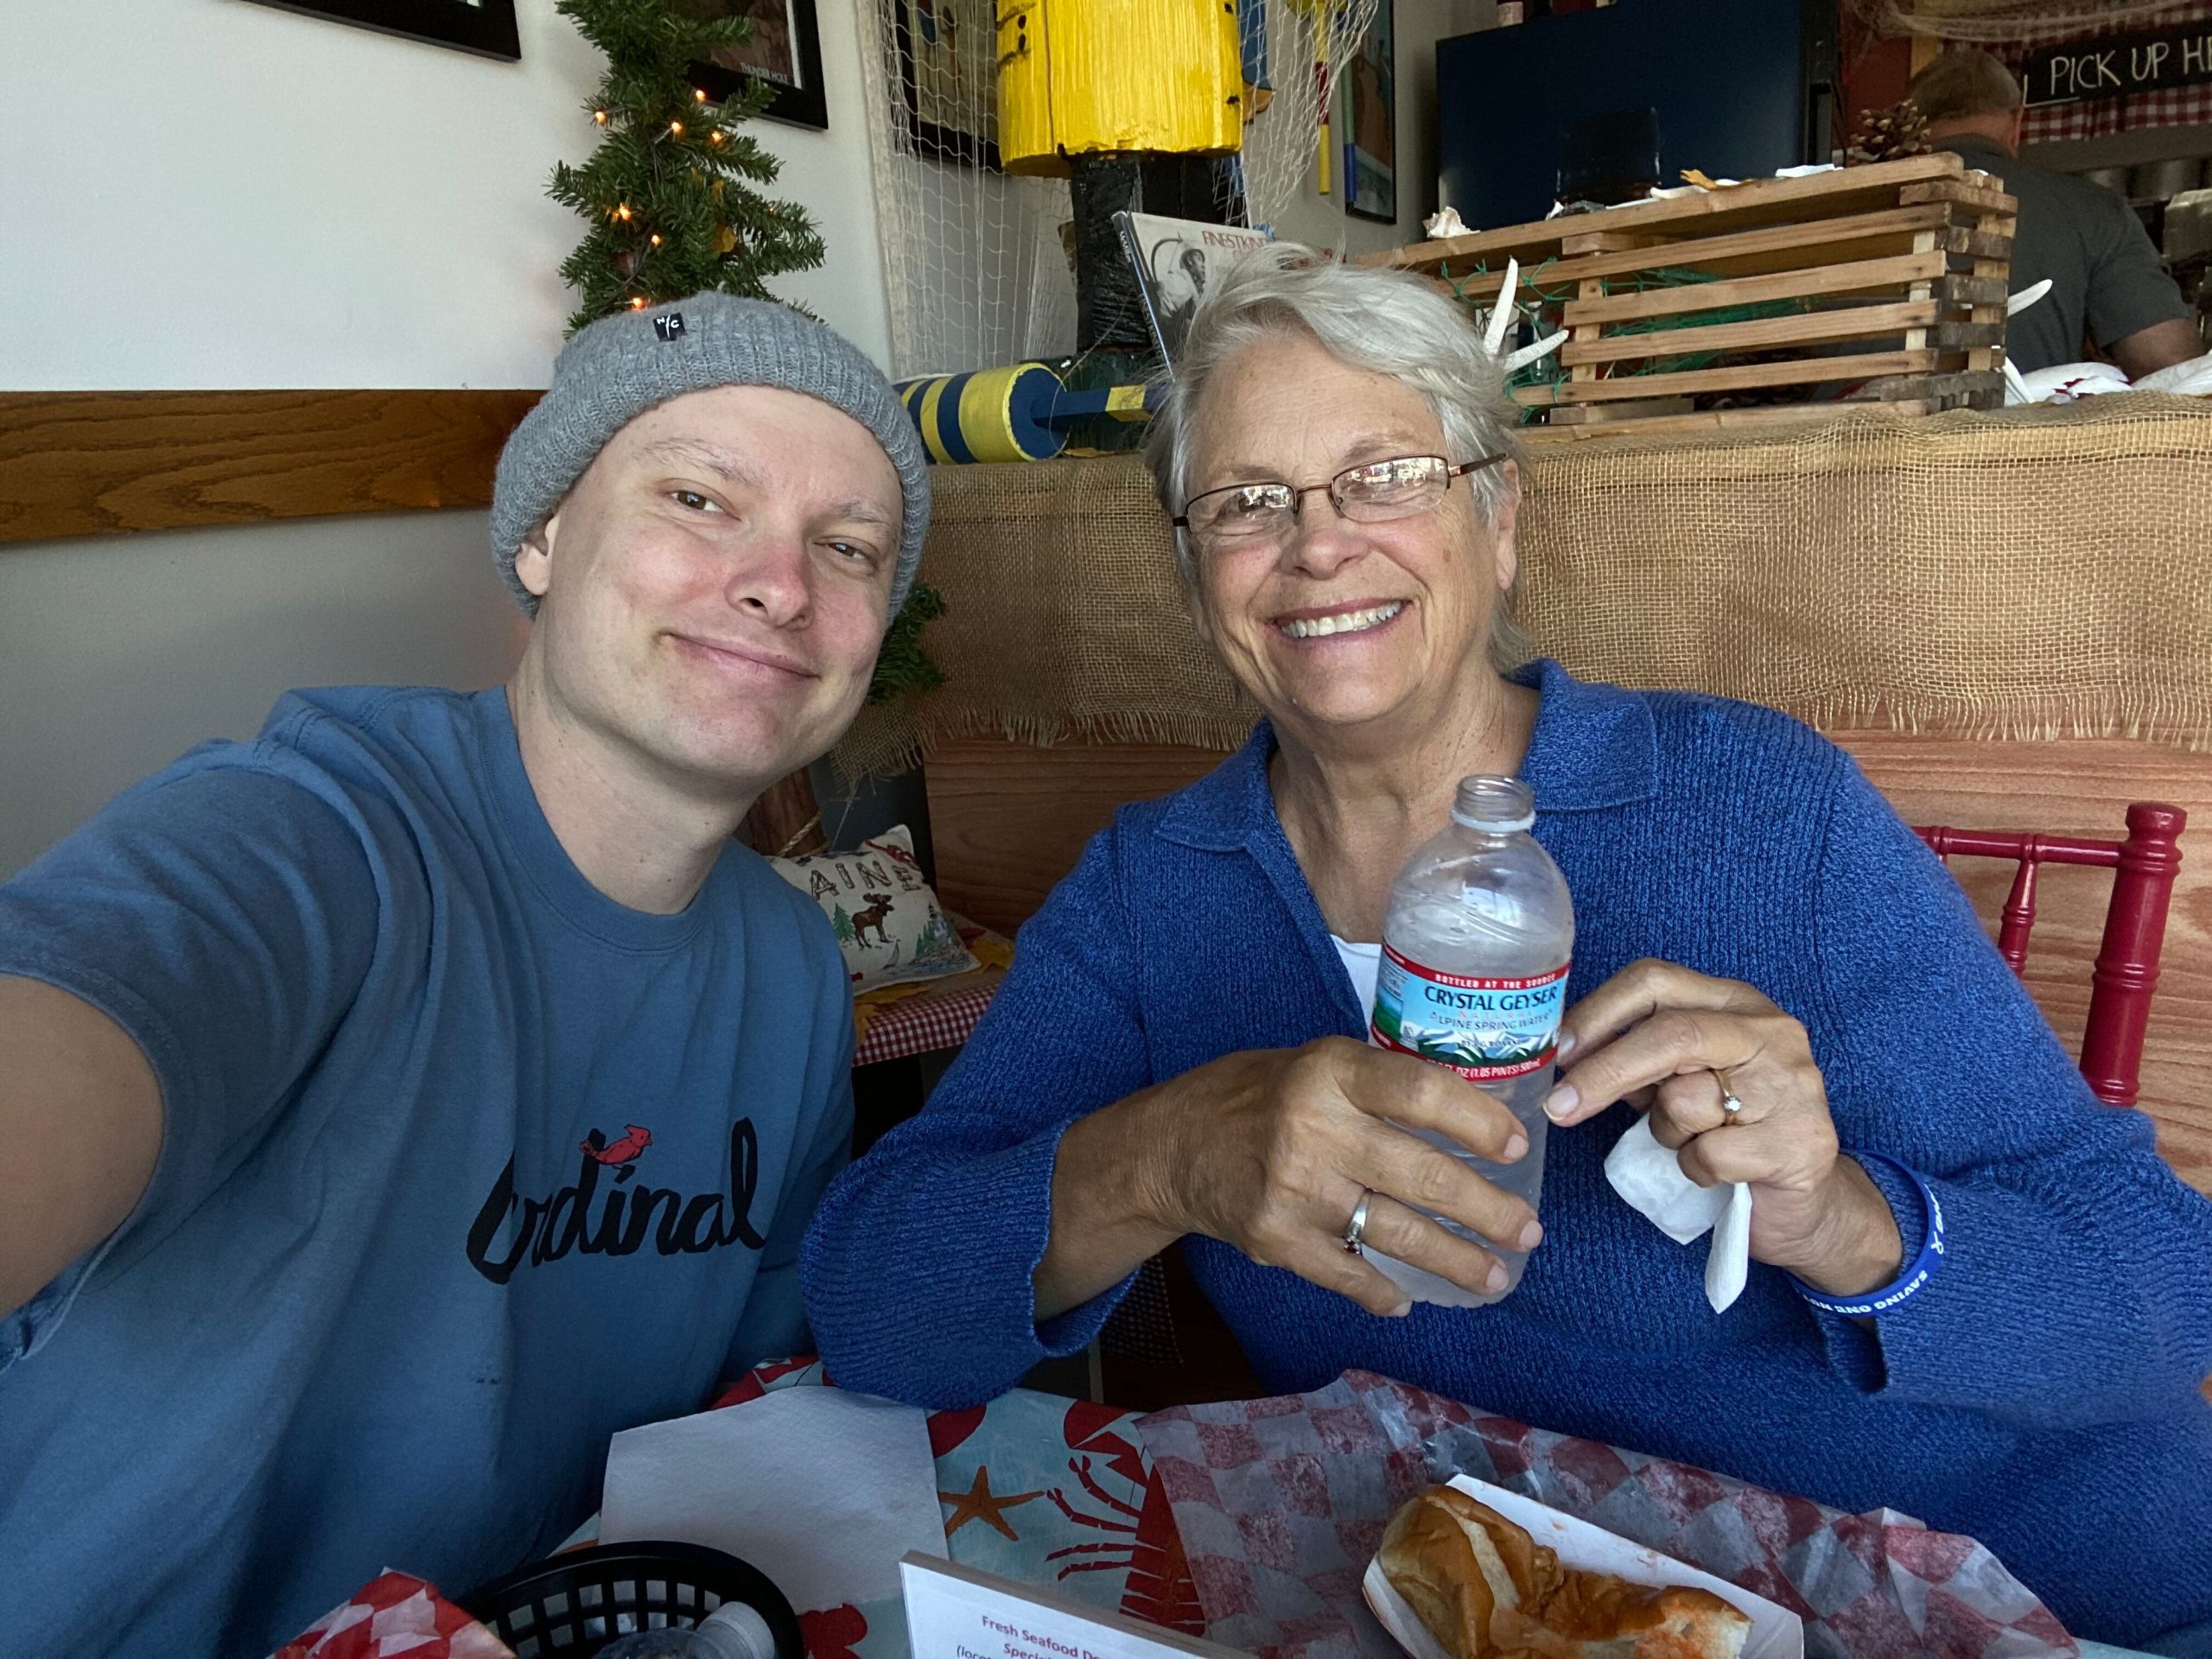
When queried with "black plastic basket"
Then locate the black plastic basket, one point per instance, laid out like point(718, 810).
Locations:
point(571, 1605)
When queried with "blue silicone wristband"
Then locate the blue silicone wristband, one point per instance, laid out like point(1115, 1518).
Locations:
point(1917, 1272)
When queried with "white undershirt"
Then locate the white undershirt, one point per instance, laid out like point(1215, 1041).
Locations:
point(1361, 962)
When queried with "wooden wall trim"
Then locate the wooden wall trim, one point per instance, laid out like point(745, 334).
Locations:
point(97, 463)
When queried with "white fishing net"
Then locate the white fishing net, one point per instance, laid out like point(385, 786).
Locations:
point(1999, 21)
point(972, 261)
point(1309, 42)
point(976, 260)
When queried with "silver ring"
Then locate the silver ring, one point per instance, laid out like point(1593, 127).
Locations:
point(1355, 1231)
point(1730, 1106)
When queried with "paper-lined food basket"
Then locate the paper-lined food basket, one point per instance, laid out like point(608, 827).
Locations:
point(1776, 1633)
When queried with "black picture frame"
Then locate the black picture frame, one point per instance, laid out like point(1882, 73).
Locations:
point(484, 27)
point(937, 142)
point(1373, 95)
point(797, 98)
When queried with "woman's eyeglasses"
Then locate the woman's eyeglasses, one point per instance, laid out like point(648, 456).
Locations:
point(1258, 515)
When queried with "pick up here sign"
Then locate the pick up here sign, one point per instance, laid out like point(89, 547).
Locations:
point(2119, 65)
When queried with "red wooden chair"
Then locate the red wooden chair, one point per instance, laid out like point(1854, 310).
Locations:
point(2135, 926)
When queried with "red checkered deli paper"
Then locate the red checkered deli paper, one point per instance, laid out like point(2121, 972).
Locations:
point(1281, 1503)
point(392, 1616)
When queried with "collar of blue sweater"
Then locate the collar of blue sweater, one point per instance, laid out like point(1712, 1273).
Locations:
point(1594, 748)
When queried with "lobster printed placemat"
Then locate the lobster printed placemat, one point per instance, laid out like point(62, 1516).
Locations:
point(1282, 1502)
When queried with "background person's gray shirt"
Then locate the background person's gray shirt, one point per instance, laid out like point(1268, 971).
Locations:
point(2105, 280)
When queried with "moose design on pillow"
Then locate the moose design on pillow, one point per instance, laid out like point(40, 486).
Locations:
point(887, 922)
point(879, 906)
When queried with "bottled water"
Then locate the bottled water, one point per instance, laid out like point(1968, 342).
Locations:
point(1473, 975)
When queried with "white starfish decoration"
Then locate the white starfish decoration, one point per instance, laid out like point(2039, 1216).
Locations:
point(1502, 315)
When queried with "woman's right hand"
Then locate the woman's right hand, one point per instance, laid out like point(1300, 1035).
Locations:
point(1270, 1151)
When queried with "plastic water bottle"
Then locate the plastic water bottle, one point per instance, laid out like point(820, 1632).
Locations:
point(732, 1631)
point(1473, 975)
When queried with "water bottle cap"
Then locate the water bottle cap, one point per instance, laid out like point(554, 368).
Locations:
point(1494, 805)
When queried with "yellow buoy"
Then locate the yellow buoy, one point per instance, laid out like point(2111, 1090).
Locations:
point(988, 415)
point(1106, 77)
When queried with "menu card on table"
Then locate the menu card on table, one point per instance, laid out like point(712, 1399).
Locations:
point(957, 1613)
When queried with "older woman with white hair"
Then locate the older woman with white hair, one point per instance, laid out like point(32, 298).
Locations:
point(1767, 963)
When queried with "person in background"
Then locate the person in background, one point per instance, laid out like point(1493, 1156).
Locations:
point(397, 1105)
point(2108, 286)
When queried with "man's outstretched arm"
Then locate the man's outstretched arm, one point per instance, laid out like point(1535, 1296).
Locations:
point(80, 1128)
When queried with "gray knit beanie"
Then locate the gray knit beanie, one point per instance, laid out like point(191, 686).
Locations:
point(620, 366)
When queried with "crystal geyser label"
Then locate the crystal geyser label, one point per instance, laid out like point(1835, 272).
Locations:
point(1484, 1029)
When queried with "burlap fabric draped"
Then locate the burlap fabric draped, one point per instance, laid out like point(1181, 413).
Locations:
point(2022, 573)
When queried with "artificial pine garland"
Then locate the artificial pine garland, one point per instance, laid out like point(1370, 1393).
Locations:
point(669, 194)
point(670, 199)
point(902, 665)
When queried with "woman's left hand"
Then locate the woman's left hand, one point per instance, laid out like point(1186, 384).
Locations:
point(1676, 1044)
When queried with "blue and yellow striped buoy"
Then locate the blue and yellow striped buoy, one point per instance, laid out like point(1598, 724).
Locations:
point(987, 414)
point(1021, 412)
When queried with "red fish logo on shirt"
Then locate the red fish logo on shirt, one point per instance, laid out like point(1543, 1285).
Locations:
point(597, 1148)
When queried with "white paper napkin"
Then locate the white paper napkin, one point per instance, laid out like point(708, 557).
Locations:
point(822, 1490)
point(1650, 1179)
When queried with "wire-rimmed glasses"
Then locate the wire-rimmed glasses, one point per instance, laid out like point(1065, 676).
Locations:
point(1375, 492)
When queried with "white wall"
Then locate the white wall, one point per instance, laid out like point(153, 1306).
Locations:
point(117, 655)
point(202, 193)
point(213, 193)
point(210, 193)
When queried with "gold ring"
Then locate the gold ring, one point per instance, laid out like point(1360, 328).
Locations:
point(1730, 1105)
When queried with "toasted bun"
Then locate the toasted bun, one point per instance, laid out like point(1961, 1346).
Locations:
point(1457, 1563)
point(1487, 1590)
point(1604, 1614)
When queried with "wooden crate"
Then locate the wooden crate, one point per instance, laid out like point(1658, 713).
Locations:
point(1883, 283)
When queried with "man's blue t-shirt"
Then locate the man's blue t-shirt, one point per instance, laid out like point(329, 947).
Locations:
point(466, 1167)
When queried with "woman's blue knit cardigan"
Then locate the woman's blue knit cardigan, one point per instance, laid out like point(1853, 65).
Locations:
point(2041, 1393)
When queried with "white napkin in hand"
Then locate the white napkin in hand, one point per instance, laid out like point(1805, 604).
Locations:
point(1649, 1178)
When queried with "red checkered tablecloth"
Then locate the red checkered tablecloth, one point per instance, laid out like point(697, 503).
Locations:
point(940, 1017)
point(1281, 1502)
point(391, 1615)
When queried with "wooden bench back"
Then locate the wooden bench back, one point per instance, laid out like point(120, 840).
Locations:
point(1008, 820)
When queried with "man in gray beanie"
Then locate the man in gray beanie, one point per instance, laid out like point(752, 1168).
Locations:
point(402, 1103)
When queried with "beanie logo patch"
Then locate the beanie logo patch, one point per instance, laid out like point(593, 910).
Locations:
point(670, 327)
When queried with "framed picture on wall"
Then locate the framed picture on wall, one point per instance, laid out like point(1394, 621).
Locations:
point(1372, 122)
point(785, 52)
point(482, 26)
point(948, 74)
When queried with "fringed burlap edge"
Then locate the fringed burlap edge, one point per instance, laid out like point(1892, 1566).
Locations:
point(885, 741)
point(2187, 729)
point(2049, 575)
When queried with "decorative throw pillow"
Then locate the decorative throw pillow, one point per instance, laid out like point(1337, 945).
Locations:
point(886, 920)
